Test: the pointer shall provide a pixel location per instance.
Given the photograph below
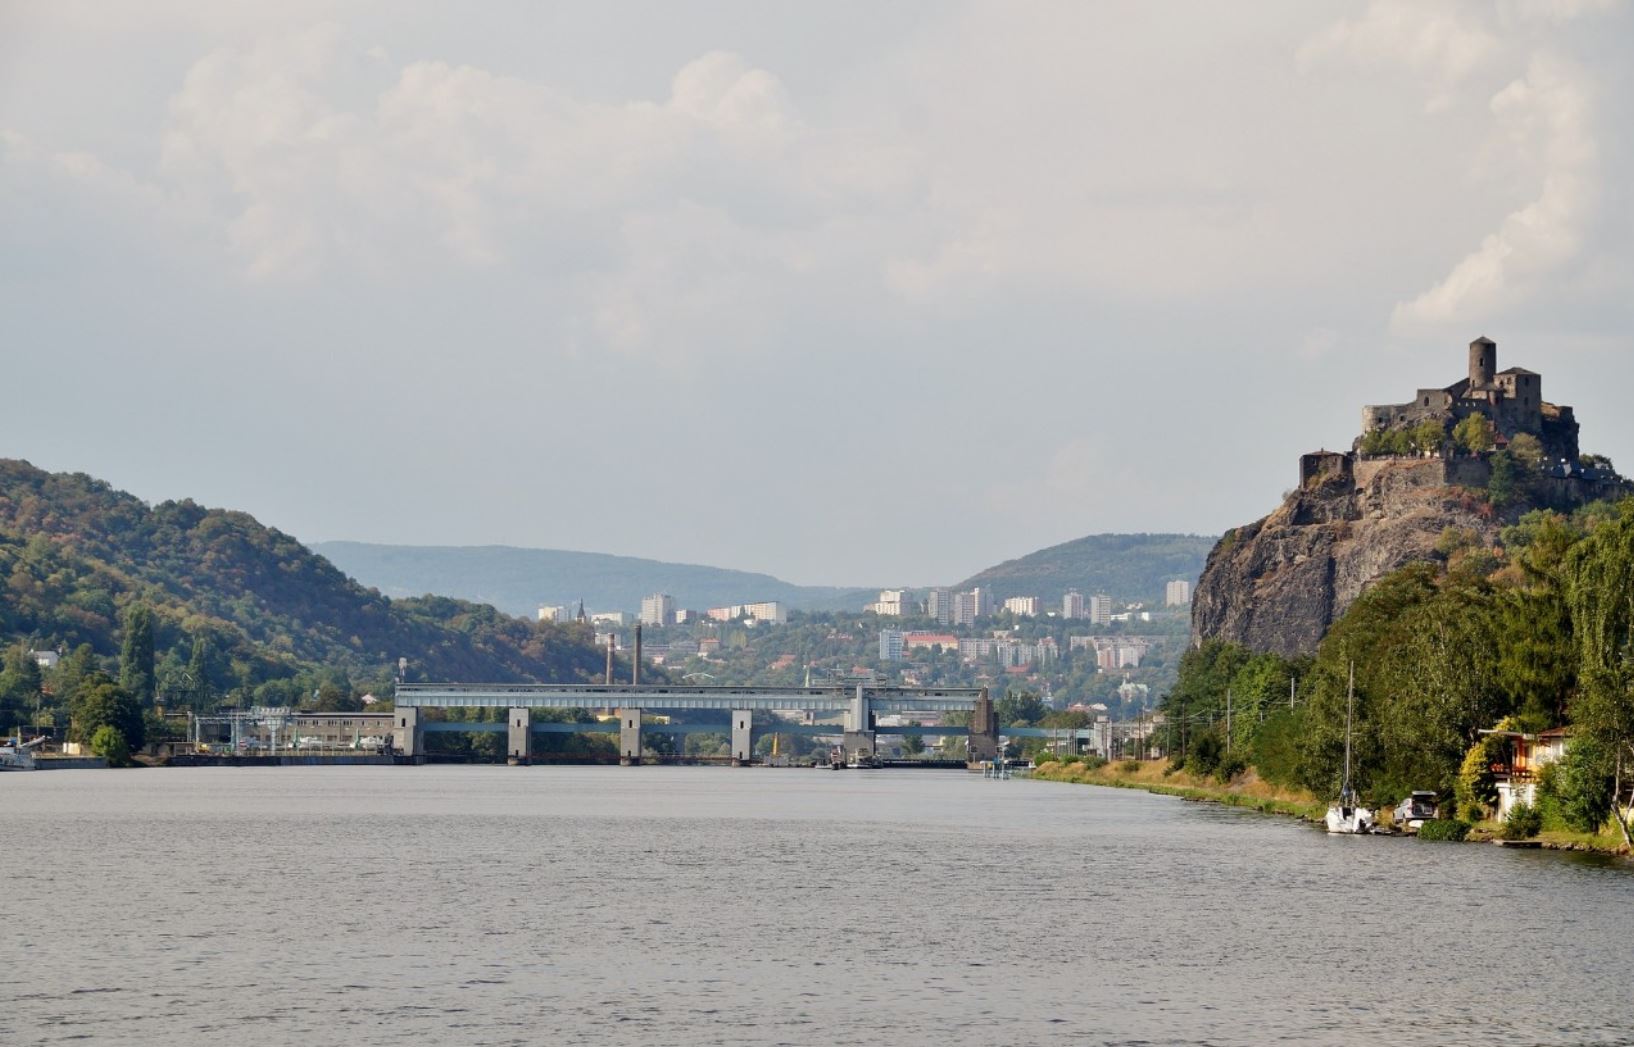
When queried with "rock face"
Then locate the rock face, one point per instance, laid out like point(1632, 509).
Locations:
point(1277, 584)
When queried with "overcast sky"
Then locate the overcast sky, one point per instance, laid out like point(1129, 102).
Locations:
point(853, 293)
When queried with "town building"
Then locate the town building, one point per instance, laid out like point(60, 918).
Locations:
point(893, 602)
point(926, 640)
point(1025, 606)
point(555, 613)
point(45, 659)
point(657, 609)
point(618, 618)
point(890, 645)
point(1177, 593)
point(1072, 604)
point(1100, 609)
point(939, 605)
point(964, 609)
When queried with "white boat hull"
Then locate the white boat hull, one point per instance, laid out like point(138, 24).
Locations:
point(1352, 820)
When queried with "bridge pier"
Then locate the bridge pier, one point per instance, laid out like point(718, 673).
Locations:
point(409, 735)
point(743, 750)
point(984, 733)
point(629, 737)
point(859, 728)
point(519, 737)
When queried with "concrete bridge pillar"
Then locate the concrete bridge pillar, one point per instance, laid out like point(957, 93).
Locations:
point(409, 735)
point(629, 737)
point(984, 733)
point(519, 737)
point(743, 749)
point(859, 727)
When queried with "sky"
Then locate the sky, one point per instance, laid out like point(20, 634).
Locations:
point(848, 292)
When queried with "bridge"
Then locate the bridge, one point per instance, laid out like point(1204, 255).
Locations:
point(857, 705)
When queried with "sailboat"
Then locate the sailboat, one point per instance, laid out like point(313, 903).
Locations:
point(1346, 814)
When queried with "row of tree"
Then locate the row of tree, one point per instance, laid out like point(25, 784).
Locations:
point(1535, 633)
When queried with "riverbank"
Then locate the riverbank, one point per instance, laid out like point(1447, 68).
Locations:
point(1249, 792)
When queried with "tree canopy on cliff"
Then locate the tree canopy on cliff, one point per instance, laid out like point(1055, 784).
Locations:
point(1538, 629)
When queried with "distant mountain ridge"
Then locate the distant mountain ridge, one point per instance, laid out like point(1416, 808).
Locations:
point(518, 580)
point(1133, 567)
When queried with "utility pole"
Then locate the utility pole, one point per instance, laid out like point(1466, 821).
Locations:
point(1290, 692)
point(1228, 719)
point(635, 663)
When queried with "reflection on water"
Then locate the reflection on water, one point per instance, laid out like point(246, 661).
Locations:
point(467, 905)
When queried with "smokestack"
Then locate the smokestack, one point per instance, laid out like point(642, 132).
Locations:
point(609, 657)
point(635, 665)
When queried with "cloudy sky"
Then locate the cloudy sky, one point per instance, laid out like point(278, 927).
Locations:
point(854, 293)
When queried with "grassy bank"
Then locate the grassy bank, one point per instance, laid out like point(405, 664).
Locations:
point(1248, 791)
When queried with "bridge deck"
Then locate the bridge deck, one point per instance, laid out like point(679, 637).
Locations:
point(664, 696)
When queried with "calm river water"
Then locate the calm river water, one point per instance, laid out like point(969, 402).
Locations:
point(470, 905)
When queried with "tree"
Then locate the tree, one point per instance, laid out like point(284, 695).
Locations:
point(1429, 435)
point(109, 743)
point(1020, 710)
point(1474, 434)
point(913, 744)
point(136, 654)
point(1502, 485)
point(101, 703)
point(19, 686)
point(1582, 784)
point(1599, 578)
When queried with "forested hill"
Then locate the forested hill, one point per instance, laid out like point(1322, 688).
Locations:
point(1123, 566)
point(519, 580)
point(75, 553)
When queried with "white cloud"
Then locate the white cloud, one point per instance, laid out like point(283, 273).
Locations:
point(1547, 114)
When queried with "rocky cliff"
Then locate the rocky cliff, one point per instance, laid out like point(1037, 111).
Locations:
point(1277, 584)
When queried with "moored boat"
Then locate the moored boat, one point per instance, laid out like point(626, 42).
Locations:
point(18, 755)
point(1346, 814)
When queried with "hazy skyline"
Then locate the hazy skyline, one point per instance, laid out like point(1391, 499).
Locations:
point(845, 294)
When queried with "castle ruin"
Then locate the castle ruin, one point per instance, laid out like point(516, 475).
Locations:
point(1512, 400)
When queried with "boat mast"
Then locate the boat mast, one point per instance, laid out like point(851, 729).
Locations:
point(1350, 708)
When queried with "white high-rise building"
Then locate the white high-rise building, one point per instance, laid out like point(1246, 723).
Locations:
point(657, 609)
point(890, 645)
point(1072, 604)
point(1177, 592)
point(984, 601)
point(1100, 609)
point(893, 602)
point(939, 605)
point(964, 608)
point(548, 613)
point(1024, 606)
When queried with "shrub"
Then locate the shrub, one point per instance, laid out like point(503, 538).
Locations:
point(108, 742)
point(1177, 762)
point(1046, 757)
point(1230, 767)
point(1443, 829)
point(1094, 763)
point(1205, 754)
point(1523, 823)
point(1129, 766)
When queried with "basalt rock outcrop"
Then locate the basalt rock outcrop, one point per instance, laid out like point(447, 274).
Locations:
point(1279, 583)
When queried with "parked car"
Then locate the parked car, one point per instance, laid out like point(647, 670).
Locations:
point(1418, 808)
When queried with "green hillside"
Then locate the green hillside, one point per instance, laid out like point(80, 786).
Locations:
point(519, 580)
point(1123, 566)
point(75, 554)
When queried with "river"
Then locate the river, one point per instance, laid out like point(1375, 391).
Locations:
point(680, 906)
